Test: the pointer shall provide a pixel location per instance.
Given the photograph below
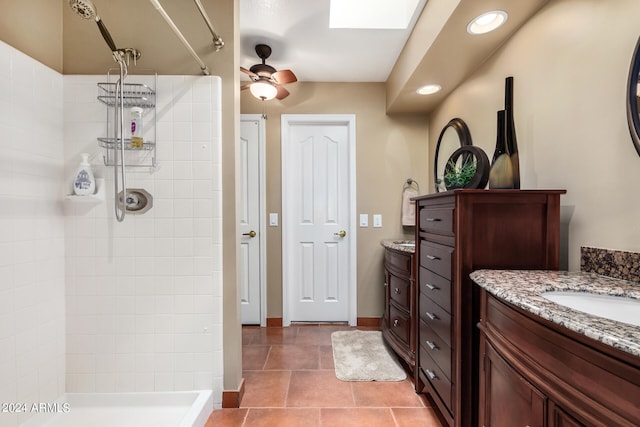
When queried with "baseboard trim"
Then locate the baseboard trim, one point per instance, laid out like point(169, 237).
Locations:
point(274, 322)
point(232, 398)
point(368, 321)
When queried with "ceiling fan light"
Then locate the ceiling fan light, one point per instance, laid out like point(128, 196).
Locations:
point(487, 22)
point(263, 90)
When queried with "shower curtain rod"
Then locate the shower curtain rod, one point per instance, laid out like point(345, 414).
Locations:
point(217, 40)
point(203, 66)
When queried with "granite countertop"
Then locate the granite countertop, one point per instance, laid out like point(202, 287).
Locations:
point(400, 245)
point(523, 288)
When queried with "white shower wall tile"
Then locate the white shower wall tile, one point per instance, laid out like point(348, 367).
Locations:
point(31, 231)
point(143, 272)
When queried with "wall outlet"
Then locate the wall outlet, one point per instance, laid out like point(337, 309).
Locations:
point(273, 220)
point(377, 220)
point(364, 220)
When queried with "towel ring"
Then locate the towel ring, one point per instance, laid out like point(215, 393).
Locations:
point(409, 182)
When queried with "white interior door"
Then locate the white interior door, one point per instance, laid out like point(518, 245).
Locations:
point(318, 191)
point(251, 219)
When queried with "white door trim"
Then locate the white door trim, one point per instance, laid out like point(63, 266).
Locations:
point(263, 211)
point(301, 119)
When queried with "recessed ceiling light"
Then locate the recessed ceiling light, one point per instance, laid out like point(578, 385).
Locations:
point(378, 14)
point(428, 89)
point(487, 22)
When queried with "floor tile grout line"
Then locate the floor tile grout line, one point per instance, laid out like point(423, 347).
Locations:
point(286, 394)
point(246, 415)
point(266, 359)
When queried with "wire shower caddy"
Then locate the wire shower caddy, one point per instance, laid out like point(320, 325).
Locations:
point(139, 93)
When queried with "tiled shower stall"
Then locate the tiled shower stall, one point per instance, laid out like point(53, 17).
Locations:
point(88, 304)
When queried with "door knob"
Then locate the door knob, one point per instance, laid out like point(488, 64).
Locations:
point(250, 234)
point(342, 233)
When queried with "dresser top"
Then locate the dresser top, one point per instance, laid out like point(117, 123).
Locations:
point(524, 289)
point(487, 192)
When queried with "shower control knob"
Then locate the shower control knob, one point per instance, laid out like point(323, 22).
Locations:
point(132, 200)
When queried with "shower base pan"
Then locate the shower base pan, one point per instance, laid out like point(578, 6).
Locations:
point(157, 409)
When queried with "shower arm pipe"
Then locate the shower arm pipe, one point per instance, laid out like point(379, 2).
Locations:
point(217, 40)
point(161, 11)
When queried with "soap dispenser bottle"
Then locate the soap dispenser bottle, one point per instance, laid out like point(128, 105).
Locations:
point(84, 182)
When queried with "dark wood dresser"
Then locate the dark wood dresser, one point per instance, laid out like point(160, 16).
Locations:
point(398, 324)
point(458, 232)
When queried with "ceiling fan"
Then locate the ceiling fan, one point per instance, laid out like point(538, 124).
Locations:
point(266, 81)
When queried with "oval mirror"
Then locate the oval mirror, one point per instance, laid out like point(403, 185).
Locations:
point(632, 98)
point(453, 136)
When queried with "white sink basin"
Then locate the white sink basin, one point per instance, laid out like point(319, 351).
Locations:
point(621, 309)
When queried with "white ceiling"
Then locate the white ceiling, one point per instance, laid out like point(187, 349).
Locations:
point(301, 40)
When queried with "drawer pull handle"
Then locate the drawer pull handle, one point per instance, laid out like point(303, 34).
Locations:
point(432, 345)
point(431, 316)
point(433, 219)
point(384, 284)
point(431, 287)
point(431, 375)
point(397, 290)
point(395, 323)
point(433, 257)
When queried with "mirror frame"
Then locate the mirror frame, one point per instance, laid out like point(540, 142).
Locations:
point(633, 117)
point(463, 135)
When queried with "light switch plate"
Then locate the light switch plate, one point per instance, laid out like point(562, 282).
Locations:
point(377, 220)
point(273, 220)
point(364, 220)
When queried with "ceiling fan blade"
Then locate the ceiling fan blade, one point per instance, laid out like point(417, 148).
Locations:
point(245, 86)
point(251, 74)
point(282, 92)
point(284, 76)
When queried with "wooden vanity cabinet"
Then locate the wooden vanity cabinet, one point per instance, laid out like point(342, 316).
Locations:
point(536, 373)
point(398, 326)
point(458, 232)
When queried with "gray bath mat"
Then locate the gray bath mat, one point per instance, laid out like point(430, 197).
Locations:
point(363, 356)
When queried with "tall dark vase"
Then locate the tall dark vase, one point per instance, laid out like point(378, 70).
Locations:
point(501, 174)
point(512, 141)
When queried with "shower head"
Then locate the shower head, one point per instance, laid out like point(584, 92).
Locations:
point(86, 10)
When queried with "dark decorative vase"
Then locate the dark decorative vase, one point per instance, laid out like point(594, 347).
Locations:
point(501, 174)
point(512, 142)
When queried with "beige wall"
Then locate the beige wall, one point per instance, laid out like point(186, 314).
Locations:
point(389, 150)
point(570, 65)
point(35, 28)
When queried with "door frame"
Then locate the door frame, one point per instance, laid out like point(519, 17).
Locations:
point(262, 176)
point(288, 120)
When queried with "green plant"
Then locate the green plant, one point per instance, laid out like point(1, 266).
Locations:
point(459, 175)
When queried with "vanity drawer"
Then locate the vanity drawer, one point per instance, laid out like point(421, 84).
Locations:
point(431, 372)
point(436, 258)
point(437, 220)
point(436, 287)
point(433, 346)
point(400, 262)
point(437, 319)
point(400, 323)
point(399, 290)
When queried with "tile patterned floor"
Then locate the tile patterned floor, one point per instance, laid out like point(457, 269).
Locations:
point(290, 381)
